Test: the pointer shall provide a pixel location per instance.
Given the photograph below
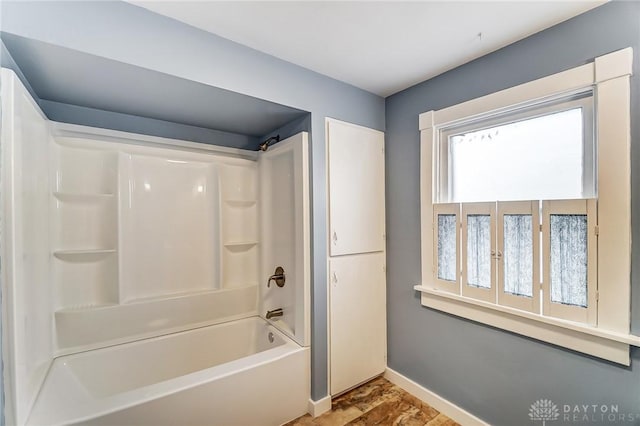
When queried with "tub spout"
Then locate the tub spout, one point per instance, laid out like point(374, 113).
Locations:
point(275, 313)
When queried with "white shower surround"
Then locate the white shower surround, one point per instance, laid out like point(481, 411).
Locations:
point(97, 255)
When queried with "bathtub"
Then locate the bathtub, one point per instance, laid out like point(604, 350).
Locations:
point(243, 372)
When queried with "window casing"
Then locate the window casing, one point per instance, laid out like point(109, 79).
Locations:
point(526, 253)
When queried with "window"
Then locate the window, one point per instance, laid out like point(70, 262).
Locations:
point(526, 209)
point(542, 152)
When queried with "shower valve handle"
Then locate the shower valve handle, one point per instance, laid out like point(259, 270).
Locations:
point(278, 276)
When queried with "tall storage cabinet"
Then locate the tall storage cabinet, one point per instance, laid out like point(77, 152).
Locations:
point(357, 257)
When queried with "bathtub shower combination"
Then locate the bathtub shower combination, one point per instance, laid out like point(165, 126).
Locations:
point(150, 281)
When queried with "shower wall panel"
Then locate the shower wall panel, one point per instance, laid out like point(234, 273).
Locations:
point(148, 237)
point(284, 222)
point(26, 284)
point(169, 226)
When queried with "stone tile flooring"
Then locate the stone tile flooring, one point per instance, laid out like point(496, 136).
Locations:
point(378, 402)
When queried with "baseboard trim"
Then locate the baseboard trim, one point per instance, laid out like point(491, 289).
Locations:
point(446, 407)
point(316, 408)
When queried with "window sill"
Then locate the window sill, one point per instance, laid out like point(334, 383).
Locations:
point(600, 343)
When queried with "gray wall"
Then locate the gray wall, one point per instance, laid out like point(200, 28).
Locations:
point(74, 114)
point(132, 35)
point(294, 127)
point(494, 374)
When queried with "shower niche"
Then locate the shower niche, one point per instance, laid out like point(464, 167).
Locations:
point(84, 237)
point(239, 220)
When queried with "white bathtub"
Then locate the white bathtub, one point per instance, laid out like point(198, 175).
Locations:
point(241, 373)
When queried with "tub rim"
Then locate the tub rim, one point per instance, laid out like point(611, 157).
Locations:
point(101, 406)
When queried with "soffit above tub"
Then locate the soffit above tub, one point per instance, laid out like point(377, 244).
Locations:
point(379, 46)
point(71, 77)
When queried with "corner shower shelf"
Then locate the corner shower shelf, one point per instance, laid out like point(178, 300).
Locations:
point(240, 245)
point(80, 197)
point(240, 203)
point(84, 308)
point(65, 254)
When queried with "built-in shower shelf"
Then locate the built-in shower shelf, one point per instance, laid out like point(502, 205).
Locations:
point(240, 245)
point(80, 197)
point(88, 307)
point(70, 254)
point(240, 284)
point(240, 203)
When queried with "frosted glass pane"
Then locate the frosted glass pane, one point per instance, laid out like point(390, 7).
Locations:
point(518, 254)
point(447, 247)
point(479, 251)
point(569, 259)
point(534, 159)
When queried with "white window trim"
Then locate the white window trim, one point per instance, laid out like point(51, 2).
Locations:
point(610, 338)
point(481, 293)
point(530, 304)
point(445, 209)
point(587, 207)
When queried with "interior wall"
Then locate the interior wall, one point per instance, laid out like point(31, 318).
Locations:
point(75, 114)
point(123, 32)
point(495, 374)
point(294, 127)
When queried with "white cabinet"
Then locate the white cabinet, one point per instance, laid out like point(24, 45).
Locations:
point(358, 319)
point(357, 282)
point(356, 189)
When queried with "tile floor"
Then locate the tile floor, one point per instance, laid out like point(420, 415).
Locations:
point(378, 402)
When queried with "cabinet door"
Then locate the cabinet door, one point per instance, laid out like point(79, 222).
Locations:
point(356, 189)
point(358, 319)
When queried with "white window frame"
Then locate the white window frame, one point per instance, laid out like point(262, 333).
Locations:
point(588, 314)
point(525, 303)
point(446, 209)
point(480, 293)
point(582, 99)
point(606, 333)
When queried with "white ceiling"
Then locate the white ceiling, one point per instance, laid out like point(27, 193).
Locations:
point(380, 46)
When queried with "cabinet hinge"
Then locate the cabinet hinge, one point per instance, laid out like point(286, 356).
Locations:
point(540, 226)
point(597, 296)
point(597, 230)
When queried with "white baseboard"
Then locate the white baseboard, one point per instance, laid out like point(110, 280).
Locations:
point(446, 407)
point(316, 408)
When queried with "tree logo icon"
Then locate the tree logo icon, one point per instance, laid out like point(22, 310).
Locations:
point(544, 409)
